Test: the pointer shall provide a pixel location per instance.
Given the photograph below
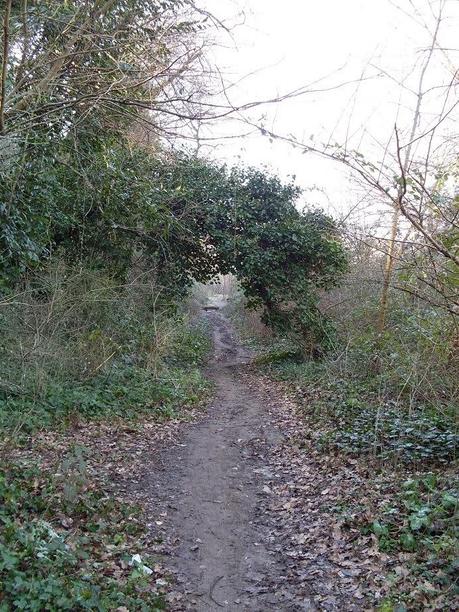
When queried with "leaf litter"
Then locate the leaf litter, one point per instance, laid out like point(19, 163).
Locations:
point(308, 515)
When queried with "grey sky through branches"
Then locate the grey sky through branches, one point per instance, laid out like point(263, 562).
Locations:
point(359, 62)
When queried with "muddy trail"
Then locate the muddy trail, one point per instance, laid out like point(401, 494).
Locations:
point(213, 481)
point(223, 537)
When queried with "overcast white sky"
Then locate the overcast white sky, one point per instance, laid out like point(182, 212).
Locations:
point(283, 46)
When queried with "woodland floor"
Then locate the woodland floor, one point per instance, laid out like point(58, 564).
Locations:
point(241, 511)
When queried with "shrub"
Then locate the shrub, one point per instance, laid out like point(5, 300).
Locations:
point(76, 344)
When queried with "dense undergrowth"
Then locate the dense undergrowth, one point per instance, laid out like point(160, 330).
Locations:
point(75, 345)
point(394, 400)
point(77, 349)
point(357, 420)
point(390, 403)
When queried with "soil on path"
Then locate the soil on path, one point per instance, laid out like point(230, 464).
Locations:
point(211, 485)
point(225, 539)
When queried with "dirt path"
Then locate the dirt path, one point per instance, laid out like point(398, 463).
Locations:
point(224, 498)
point(215, 489)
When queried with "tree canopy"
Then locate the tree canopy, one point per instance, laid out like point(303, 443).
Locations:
point(81, 175)
point(189, 219)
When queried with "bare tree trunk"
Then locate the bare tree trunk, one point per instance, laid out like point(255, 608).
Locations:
point(388, 270)
point(25, 44)
point(6, 32)
point(398, 205)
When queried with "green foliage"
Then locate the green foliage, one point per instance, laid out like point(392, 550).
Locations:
point(358, 421)
point(248, 224)
point(67, 170)
point(127, 392)
point(76, 176)
point(72, 170)
point(394, 397)
point(281, 255)
point(79, 561)
point(191, 346)
point(386, 434)
point(114, 207)
point(424, 515)
point(421, 520)
point(76, 345)
point(279, 355)
point(190, 220)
